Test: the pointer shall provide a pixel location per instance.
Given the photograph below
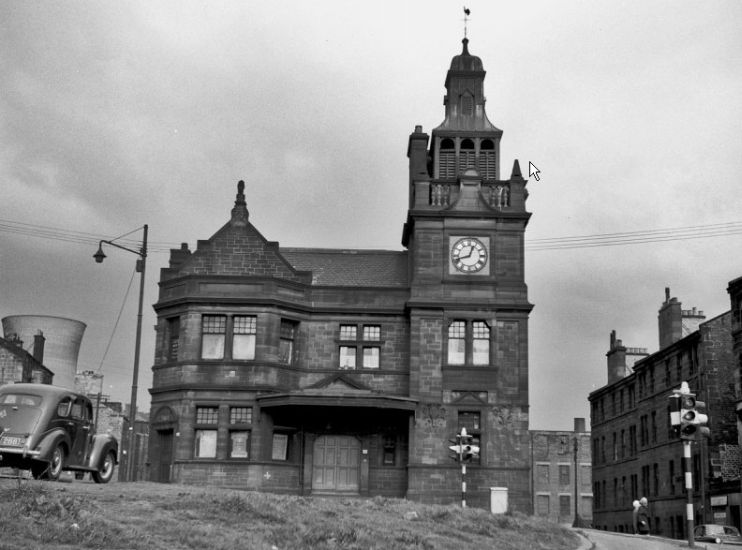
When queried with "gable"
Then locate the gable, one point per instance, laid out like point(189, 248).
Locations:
point(239, 250)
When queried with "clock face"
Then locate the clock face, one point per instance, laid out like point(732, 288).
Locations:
point(468, 255)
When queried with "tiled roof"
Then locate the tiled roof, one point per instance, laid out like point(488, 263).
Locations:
point(342, 267)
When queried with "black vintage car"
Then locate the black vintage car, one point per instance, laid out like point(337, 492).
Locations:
point(48, 429)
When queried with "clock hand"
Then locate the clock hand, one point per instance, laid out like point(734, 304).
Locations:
point(462, 256)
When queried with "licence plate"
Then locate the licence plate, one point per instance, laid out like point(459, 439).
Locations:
point(12, 441)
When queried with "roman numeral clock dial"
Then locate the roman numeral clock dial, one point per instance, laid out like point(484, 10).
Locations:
point(469, 255)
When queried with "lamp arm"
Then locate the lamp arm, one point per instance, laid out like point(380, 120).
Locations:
point(142, 253)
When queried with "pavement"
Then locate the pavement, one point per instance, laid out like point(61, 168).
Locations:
point(593, 539)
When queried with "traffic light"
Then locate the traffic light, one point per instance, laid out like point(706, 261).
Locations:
point(692, 421)
point(674, 409)
point(703, 419)
point(463, 448)
point(455, 449)
point(469, 451)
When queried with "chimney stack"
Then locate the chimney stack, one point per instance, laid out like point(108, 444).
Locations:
point(670, 321)
point(579, 425)
point(38, 347)
point(676, 323)
point(616, 359)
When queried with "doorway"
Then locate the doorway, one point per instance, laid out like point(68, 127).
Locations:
point(336, 464)
point(164, 457)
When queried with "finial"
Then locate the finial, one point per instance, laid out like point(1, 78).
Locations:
point(516, 173)
point(467, 12)
point(239, 212)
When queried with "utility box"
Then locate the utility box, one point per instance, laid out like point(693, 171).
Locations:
point(498, 500)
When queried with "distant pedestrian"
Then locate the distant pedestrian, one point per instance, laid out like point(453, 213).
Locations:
point(642, 517)
point(634, 512)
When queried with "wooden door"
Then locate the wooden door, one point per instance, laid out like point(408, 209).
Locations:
point(165, 456)
point(336, 464)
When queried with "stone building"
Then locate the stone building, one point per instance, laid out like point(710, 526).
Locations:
point(735, 296)
point(635, 451)
point(561, 473)
point(326, 371)
point(18, 365)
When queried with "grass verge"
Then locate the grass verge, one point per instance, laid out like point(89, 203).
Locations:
point(148, 516)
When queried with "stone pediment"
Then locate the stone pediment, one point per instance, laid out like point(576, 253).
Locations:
point(338, 384)
point(469, 397)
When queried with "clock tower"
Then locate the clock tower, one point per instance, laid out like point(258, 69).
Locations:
point(468, 303)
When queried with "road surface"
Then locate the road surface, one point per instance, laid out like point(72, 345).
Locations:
point(605, 540)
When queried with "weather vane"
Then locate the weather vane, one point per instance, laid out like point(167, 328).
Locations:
point(467, 12)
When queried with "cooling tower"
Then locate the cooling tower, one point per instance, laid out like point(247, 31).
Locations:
point(63, 337)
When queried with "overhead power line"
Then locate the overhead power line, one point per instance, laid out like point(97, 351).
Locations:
point(636, 237)
point(724, 229)
point(68, 235)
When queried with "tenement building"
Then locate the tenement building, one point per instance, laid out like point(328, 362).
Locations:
point(328, 371)
point(735, 295)
point(561, 475)
point(635, 451)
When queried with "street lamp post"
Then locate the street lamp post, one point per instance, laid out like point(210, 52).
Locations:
point(129, 426)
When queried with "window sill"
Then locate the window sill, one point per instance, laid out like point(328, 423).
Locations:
point(469, 367)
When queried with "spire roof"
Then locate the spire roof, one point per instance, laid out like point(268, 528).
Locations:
point(465, 61)
point(464, 98)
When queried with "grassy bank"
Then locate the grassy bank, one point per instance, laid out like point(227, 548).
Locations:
point(148, 516)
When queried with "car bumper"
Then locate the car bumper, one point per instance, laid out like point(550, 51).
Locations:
point(19, 451)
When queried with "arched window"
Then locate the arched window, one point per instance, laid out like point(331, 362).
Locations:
point(447, 159)
point(487, 161)
point(467, 155)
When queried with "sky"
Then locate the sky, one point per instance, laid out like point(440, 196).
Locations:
point(118, 114)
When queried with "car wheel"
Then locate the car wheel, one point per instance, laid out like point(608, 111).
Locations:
point(104, 474)
point(56, 465)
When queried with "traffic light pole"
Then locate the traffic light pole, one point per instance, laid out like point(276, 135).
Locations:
point(464, 450)
point(689, 492)
point(463, 485)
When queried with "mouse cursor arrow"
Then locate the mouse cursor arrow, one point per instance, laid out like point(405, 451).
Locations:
point(533, 171)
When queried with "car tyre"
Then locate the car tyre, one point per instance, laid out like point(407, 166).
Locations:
point(104, 473)
point(52, 469)
point(56, 465)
